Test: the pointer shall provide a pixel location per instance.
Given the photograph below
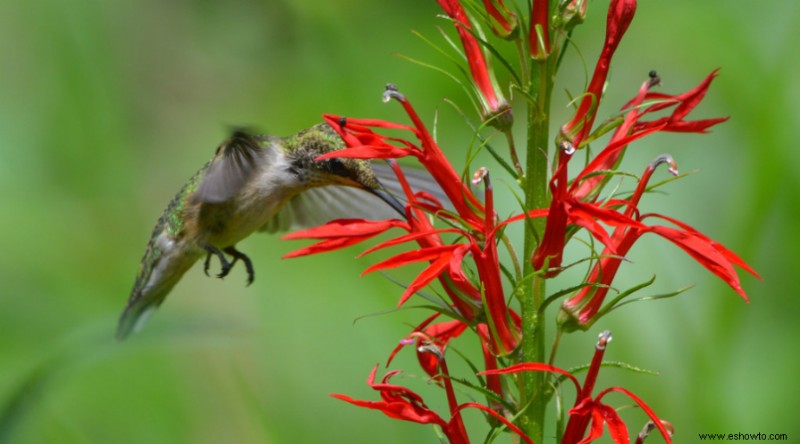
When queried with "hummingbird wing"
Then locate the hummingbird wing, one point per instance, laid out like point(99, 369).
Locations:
point(418, 179)
point(316, 206)
point(231, 169)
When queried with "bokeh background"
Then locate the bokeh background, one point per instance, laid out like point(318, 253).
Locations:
point(107, 107)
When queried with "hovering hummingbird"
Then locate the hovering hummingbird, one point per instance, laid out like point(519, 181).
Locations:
point(257, 183)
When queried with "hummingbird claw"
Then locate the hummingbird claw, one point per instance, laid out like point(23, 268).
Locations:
point(224, 264)
point(207, 263)
point(248, 264)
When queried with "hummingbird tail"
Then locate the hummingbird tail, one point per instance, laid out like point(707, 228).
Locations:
point(133, 319)
point(151, 288)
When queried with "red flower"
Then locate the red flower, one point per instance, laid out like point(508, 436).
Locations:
point(590, 409)
point(503, 17)
point(474, 222)
point(620, 15)
point(566, 198)
point(401, 403)
point(494, 105)
point(583, 307)
point(440, 334)
point(633, 127)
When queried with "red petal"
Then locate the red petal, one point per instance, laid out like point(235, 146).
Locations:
point(597, 427)
point(532, 367)
point(690, 99)
point(351, 122)
point(406, 238)
point(442, 333)
point(499, 417)
point(616, 427)
point(426, 277)
point(418, 328)
point(731, 256)
point(646, 408)
point(347, 228)
point(325, 246)
point(704, 253)
point(456, 274)
point(605, 160)
point(409, 257)
point(398, 410)
point(368, 152)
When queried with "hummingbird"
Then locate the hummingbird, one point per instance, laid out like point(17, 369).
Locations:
point(257, 183)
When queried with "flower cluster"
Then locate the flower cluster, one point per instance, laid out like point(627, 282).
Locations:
point(457, 241)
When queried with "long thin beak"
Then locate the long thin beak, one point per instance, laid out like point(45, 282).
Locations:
point(390, 199)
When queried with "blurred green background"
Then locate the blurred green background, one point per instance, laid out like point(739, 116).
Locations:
point(107, 107)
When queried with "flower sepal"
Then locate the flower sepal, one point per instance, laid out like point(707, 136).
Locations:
point(500, 117)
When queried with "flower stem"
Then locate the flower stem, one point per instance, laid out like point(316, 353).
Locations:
point(536, 196)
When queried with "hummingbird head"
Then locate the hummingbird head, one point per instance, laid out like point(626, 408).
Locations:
point(306, 147)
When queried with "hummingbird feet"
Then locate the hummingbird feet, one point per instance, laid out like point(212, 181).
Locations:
point(227, 266)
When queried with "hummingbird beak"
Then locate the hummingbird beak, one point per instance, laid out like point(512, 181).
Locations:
point(390, 199)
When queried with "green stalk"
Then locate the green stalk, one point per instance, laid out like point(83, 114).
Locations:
point(533, 395)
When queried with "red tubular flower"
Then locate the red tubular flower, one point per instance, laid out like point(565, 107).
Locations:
point(493, 102)
point(539, 37)
point(550, 250)
point(401, 403)
point(589, 410)
point(633, 128)
point(503, 16)
point(490, 363)
point(584, 306)
point(620, 15)
point(398, 402)
point(566, 198)
point(564, 209)
point(440, 334)
point(474, 222)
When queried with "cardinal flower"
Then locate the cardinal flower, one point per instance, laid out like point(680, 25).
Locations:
point(620, 15)
point(495, 107)
point(402, 403)
point(589, 410)
point(567, 197)
point(583, 307)
point(472, 220)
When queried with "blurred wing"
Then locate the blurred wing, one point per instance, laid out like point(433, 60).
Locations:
point(230, 170)
point(317, 206)
point(418, 179)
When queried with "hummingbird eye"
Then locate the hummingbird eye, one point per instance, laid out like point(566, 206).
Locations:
point(337, 167)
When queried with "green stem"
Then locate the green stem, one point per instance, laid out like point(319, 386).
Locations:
point(536, 196)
